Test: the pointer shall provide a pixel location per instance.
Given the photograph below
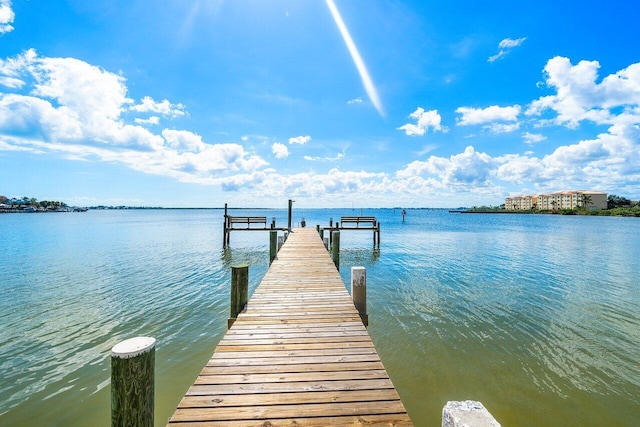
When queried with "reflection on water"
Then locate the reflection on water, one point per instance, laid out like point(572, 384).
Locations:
point(536, 316)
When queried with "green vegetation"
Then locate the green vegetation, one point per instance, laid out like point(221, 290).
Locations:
point(31, 204)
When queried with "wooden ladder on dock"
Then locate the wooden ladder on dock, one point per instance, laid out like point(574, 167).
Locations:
point(299, 355)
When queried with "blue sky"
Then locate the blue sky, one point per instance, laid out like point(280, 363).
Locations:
point(332, 103)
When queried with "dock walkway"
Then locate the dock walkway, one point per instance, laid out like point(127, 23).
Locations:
point(299, 355)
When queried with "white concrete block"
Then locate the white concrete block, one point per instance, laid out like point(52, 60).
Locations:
point(467, 413)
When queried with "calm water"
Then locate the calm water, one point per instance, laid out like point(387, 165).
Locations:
point(536, 316)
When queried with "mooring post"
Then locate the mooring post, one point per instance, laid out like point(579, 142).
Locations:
point(132, 382)
point(239, 291)
point(273, 245)
point(224, 228)
point(326, 242)
point(359, 292)
point(280, 242)
point(335, 248)
point(290, 208)
point(322, 234)
point(318, 228)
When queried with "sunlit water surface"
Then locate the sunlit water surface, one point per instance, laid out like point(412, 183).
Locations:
point(536, 316)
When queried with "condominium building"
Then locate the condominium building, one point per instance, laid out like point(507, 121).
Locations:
point(521, 203)
point(572, 199)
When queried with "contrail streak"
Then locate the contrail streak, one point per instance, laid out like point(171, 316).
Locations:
point(357, 59)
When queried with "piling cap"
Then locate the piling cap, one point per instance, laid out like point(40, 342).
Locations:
point(133, 347)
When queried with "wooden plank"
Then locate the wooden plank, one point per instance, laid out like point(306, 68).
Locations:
point(285, 411)
point(397, 420)
point(373, 384)
point(224, 400)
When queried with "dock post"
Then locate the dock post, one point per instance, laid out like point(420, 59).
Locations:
point(280, 242)
point(359, 292)
point(132, 382)
point(239, 291)
point(318, 228)
point(273, 245)
point(335, 248)
point(326, 242)
point(289, 221)
point(224, 228)
point(322, 234)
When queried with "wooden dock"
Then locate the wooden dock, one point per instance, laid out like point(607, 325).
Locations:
point(298, 356)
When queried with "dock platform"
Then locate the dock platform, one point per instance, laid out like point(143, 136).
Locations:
point(299, 355)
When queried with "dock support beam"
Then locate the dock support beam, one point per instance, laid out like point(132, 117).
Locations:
point(273, 245)
point(132, 382)
point(239, 291)
point(359, 292)
point(335, 248)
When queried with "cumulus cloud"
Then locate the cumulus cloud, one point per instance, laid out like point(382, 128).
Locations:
point(505, 46)
point(494, 113)
point(424, 121)
point(76, 109)
point(279, 150)
point(580, 97)
point(6, 16)
point(469, 167)
point(300, 140)
point(492, 118)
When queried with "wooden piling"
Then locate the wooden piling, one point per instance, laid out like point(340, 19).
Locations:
point(239, 291)
point(132, 382)
point(224, 228)
point(273, 245)
point(335, 248)
point(359, 292)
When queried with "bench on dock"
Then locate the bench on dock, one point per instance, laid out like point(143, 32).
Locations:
point(356, 223)
point(357, 220)
point(246, 220)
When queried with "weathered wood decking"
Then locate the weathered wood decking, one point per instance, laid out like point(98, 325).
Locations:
point(299, 355)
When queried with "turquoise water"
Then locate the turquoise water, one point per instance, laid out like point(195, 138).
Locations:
point(536, 316)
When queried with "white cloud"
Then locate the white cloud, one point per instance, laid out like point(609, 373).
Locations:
point(469, 168)
point(11, 82)
point(280, 150)
point(533, 138)
point(579, 97)
point(424, 121)
point(164, 107)
point(76, 110)
point(6, 16)
point(505, 46)
point(153, 120)
point(300, 140)
point(494, 113)
point(355, 101)
point(324, 159)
